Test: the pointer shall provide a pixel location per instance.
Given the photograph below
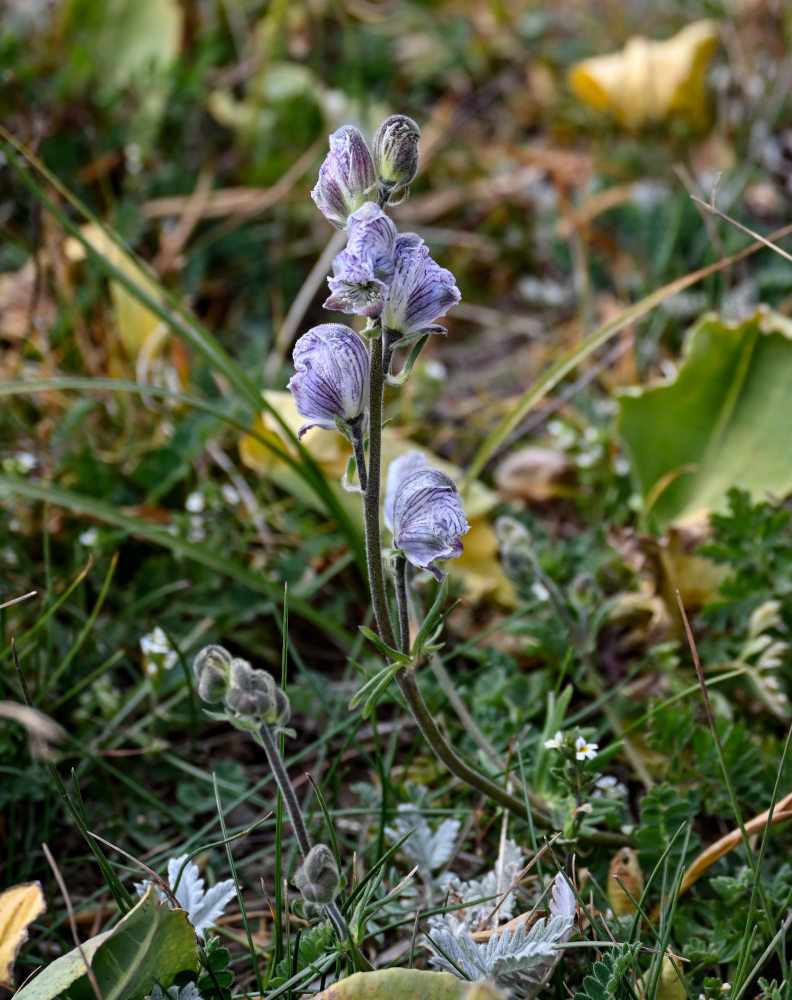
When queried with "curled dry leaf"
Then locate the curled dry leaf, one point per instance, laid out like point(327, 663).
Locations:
point(19, 907)
point(649, 80)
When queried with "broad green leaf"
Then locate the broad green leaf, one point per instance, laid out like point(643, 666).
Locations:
point(151, 943)
point(723, 422)
point(408, 984)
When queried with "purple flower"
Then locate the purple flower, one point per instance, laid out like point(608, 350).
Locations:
point(428, 519)
point(421, 291)
point(346, 176)
point(331, 380)
point(362, 273)
point(397, 471)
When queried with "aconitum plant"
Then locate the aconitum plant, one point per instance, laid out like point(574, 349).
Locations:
point(391, 281)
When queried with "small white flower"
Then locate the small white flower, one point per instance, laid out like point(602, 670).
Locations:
point(229, 494)
point(89, 537)
point(539, 591)
point(21, 463)
point(195, 502)
point(158, 652)
point(610, 788)
point(196, 532)
point(585, 750)
point(435, 370)
point(555, 742)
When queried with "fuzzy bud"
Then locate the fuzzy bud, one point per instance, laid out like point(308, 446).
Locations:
point(318, 878)
point(396, 153)
point(253, 694)
point(212, 668)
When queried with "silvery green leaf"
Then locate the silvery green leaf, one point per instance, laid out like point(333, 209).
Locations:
point(429, 849)
point(204, 906)
point(187, 992)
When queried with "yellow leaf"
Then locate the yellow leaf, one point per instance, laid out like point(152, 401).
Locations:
point(478, 567)
point(19, 907)
point(625, 879)
point(649, 80)
point(408, 984)
point(139, 328)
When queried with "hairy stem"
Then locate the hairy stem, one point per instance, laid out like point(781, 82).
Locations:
point(287, 791)
point(426, 723)
point(401, 604)
point(371, 496)
point(359, 451)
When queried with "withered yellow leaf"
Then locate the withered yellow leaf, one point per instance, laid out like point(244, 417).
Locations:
point(625, 880)
point(19, 907)
point(408, 984)
point(139, 328)
point(649, 80)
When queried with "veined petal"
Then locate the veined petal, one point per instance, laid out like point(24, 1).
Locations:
point(421, 290)
point(345, 178)
point(428, 519)
point(331, 378)
point(398, 470)
point(362, 273)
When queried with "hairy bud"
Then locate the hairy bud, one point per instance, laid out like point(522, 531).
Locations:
point(212, 668)
point(396, 153)
point(253, 695)
point(345, 178)
point(318, 878)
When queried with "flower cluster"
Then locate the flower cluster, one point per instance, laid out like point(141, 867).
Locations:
point(250, 697)
point(389, 279)
point(583, 749)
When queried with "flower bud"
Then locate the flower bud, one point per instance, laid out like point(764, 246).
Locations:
point(428, 519)
point(331, 381)
point(253, 694)
point(396, 153)
point(345, 178)
point(211, 668)
point(318, 878)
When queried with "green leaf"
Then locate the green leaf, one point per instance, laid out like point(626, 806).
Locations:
point(722, 422)
point(392, 654)
point(151, 943)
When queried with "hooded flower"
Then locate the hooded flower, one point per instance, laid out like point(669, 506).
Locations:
point(362, 273)
point(345, 178)
point(428, 519)
point(395, 150)
point(398, 470)
point(421, 291)
point(331, 378)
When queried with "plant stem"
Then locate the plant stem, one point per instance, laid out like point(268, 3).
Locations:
point(401, 604)
point(264, 737)
point(371, 494)
point(420, 711)
point(360, 452)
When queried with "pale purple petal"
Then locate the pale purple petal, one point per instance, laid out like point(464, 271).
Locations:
point(345, 178)
point(428, 519)
point(331, 377)
point(397, 471)
point(362, 272)
point(421, 291)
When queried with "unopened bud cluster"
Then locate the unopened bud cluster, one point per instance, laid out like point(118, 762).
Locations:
point(249, 696)
point(318, 878)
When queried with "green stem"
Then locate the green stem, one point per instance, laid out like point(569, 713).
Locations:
point(371, 495)
point(426, 723)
